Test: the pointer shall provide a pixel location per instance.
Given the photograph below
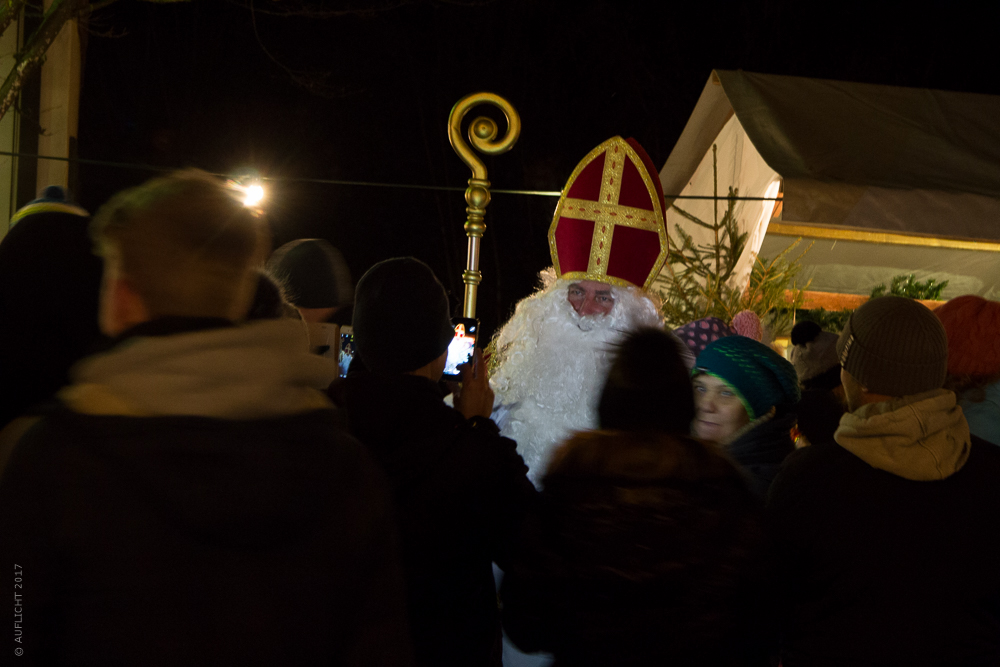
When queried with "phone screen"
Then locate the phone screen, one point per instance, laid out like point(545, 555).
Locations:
point(346, 349)
point(462, 346)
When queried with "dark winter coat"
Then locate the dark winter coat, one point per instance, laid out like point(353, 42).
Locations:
point(49, 284)
point(882, 570)
point(761, 449)
point(197, 540)
point(819, 412)
point(461, 492)
point(645, 550)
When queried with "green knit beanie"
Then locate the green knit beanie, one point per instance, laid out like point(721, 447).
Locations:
point(760, 375)
point(894, 346)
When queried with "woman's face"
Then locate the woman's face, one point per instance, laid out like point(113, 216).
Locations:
point(719, 413)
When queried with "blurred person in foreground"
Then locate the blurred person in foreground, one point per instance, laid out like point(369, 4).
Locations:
point(268, 301)
point(191, 501)
point(608, 243)
point(973, 327)
point(888, 536)
point(460, 488)
point(647, 546)
point(745, 395)
point(49, 281)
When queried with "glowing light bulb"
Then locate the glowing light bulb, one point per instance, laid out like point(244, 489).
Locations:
point(252, 195)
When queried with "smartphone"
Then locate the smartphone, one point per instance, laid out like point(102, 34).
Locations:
point(346, 349)
point(462, 346)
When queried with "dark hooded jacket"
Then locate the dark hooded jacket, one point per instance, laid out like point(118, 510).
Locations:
point(461, 491)
point(194, 501)
point(761, 448)
point(887, 541)
point(646, 549)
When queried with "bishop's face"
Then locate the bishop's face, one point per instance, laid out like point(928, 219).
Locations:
point(590, 297)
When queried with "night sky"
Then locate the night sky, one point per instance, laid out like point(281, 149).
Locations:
point(361, 91)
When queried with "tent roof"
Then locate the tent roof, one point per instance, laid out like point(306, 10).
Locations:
point(865, 134)
point(885, 180)
point(859, 155)
point(856, 133)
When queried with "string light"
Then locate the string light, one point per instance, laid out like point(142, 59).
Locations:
point(330, 181)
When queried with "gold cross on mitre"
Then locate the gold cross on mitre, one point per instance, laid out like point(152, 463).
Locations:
point(609, 225)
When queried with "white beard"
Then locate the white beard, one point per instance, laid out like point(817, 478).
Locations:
point(553, 363)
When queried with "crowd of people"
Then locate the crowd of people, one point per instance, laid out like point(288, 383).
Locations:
point(187, 478)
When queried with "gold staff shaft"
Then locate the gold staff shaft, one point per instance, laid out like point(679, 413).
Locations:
point(482, 133)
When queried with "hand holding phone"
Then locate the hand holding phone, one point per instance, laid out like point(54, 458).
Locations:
point(475, 397)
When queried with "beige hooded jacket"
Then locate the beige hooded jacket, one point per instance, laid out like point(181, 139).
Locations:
point(922, 437)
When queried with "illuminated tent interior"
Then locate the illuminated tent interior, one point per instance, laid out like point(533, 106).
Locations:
point(882, 180)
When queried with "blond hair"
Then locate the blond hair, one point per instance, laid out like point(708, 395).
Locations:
point(185, 243)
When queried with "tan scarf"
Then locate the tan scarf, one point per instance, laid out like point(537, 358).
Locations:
point(922, 437)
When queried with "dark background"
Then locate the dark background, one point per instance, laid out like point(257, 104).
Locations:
point(361, 91)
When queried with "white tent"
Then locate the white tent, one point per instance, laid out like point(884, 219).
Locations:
point(885, 180)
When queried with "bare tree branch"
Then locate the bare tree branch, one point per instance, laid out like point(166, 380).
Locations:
point(8, 12)
point(33, 54)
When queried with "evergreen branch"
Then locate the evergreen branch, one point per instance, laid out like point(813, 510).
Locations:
point(673, 275)
point(699, 273)
point(693, 218)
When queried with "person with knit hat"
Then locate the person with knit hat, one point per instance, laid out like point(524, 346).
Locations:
point(314, 278)
point(747, 323)
point(973, 327)
point(745, 394)
point(813, 354)
point(49, 282)
point(460, 489)
point(888, 536)
point(646, 545)
point(698, 334)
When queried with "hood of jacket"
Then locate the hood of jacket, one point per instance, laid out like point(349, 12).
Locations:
point(256, 370)
point(923, 437)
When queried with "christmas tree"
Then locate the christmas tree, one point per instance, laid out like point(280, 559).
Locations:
point(698, 278)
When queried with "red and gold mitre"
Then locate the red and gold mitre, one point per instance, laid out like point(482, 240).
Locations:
point(609, 223)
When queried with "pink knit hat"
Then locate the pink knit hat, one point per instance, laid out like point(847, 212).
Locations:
point(746, 323)
point(973, 327)
point(698, 334)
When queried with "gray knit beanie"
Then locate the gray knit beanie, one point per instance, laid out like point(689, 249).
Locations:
point(402, 319)
point(894, 346)
point(813, 352)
